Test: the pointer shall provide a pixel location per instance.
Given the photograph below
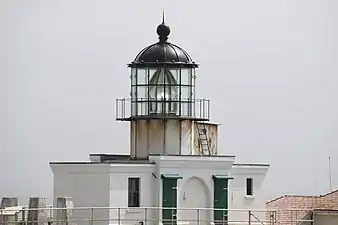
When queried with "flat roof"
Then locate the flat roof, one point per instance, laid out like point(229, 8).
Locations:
point(108, 159)
point(251, 164)
point(106, 162)
point(123, 159)
point(214, 156)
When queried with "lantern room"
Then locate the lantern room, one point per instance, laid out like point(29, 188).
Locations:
point(162, 84)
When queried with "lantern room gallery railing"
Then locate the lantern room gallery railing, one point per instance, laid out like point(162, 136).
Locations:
point(128, 109)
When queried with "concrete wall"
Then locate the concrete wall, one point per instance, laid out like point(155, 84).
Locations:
point(197, 181)
point(106, 185)
point(88, 186)
point(195, 190)
point(119, 174)
point(238, 197)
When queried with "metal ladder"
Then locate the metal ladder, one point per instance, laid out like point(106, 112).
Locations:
point(203, 139)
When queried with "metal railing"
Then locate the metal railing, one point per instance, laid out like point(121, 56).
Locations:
point(147, 216)
point(127, 108)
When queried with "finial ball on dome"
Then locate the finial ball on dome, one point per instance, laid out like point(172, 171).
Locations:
point(163, 31)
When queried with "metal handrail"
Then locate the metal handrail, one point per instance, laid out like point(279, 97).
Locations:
point(143, 211)
point(191, 108)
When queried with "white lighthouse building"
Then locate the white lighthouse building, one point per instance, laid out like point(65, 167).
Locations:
point(174, 166)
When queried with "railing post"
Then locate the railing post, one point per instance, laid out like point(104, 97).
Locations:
point(23, 216)
point(198, 216)
point(208, 109)
point(204, 108)
point(249, 217)
point(119, 216)
point(124, 108)
point(92, 216)
point(145, 216)
point(201, 108)
point(117, 108)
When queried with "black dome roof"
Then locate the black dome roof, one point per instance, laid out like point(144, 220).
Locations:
point(163, 52)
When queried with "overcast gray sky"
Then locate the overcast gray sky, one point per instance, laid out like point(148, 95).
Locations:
point(269, 67)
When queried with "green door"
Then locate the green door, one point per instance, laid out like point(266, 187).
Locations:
point(169, 199)
point(220, 199)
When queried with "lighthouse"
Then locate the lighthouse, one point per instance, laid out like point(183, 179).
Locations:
point(174, 173)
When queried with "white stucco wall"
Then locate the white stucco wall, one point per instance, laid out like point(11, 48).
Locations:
point(198, 168)
point(119, 174)
point(87, 185)
point(106, 185)
point(199, 171)
point(237, 194)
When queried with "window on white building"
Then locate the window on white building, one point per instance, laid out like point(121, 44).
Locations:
point(249, 186)
point(133, 192)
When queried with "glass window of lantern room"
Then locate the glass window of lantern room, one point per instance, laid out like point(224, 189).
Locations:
point(193, 96)
point(133, 76)
point(186, 76)
point(133, 95)
point(193, 80)
point(142, 76)
point(142, 91)
point(186, 92)
point(175, 84)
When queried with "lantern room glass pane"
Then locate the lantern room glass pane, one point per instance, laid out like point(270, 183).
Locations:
point(133, 109)
point(186, 76)
point(176, 74)
point(142, 76)
point(133, 94)
point(185, 109)
point(193, 76)
point(185, 93)
point(142, 108)
point(133, 76)
point(142, 93)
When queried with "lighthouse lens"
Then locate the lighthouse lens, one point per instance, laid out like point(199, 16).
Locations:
point(163, 92)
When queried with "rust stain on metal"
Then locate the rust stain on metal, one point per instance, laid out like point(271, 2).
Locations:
point(212, 135)
point(164, 134)
point(156, 136)
point(186, 137)
point(141, 138)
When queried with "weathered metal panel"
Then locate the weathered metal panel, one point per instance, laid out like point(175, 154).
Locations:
point(172, 137)
point(169, 137)
point(186, 137)
point(132, 138)
point(212, 135)
point(141, 139)
point(156, 137)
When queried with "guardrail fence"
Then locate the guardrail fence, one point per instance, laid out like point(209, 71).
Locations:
point(147, 216)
